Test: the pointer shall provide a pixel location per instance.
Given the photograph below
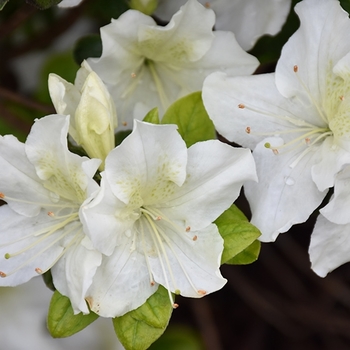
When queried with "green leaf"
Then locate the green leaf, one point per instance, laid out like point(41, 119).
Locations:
point(191, 118)
point(88, 46)
point(61, 320)
point(43, 4)
point(139, 328)
point(247, 256)
point(179, 337)
point(3, 3)
point(238, 233)
point(152, 116)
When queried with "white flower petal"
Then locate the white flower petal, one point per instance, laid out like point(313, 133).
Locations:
point(198, 260)
point(332, 159)
point(19, 179)
point(284, 195)
point(247, 114)
point(69, 3)
point(329, 246)
point(337, 210)
point(180, 41)
point(99, 216)
point(121, 284)
point(19, 233)
point(319, 43)
point(215, 175)
point(61, 170)
point(248, 19)
point(74, 272)
point(150, 163)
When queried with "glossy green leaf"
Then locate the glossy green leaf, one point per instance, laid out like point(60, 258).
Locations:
point(191, 118)
point(152, 116)
point(238, 233)
point(61, 320)
point(88, 46)
point(139, 328)
point(43, 4)
point(247, 256)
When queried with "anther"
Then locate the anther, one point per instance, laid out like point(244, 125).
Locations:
point(307, 140)
point(124, 123)
point(207, 5)
point(247, 129)
point(295, 68)
point(188, 229)
point(152, 283)
point(158, 218)
point(194, 238)
point(241, 106)
point(342, 98)
point(275, 151)
point(39, 271)
point(175, 306)
point(50, 213)
point(202, 292)
point(2, 274)
point(133, 75)
point(2, 196)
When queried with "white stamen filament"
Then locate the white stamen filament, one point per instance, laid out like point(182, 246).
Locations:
point(159, 86)
point(43, 205)
point(65, 233)
point(311, 98)
point(154, 229)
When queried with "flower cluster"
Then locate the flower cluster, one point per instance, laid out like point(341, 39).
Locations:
point(114, 224)
point(120, 221)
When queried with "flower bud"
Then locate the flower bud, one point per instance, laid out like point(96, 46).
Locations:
point(145, 6)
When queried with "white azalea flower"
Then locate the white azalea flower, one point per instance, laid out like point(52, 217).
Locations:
point(92, 111)
point(247, 19)
point(69, 3)
point(147, 66)
point(296, 120)
point(44, 185)
point(153, 217)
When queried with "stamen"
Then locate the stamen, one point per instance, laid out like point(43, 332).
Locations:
point(3, 274)
point(194, 238)
point(342, 98)
point(154, 237)
point(43, 205)
point(146, 256)
point(133, 75)
point(207, 5)
point(247, 129)
point(39, 271)
point(50, 213)
point(241, 106)
point(175, 306)
point(124, 123)
point(311, 98)
point(188, 229)
point(43, 250)
point(202, 292)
